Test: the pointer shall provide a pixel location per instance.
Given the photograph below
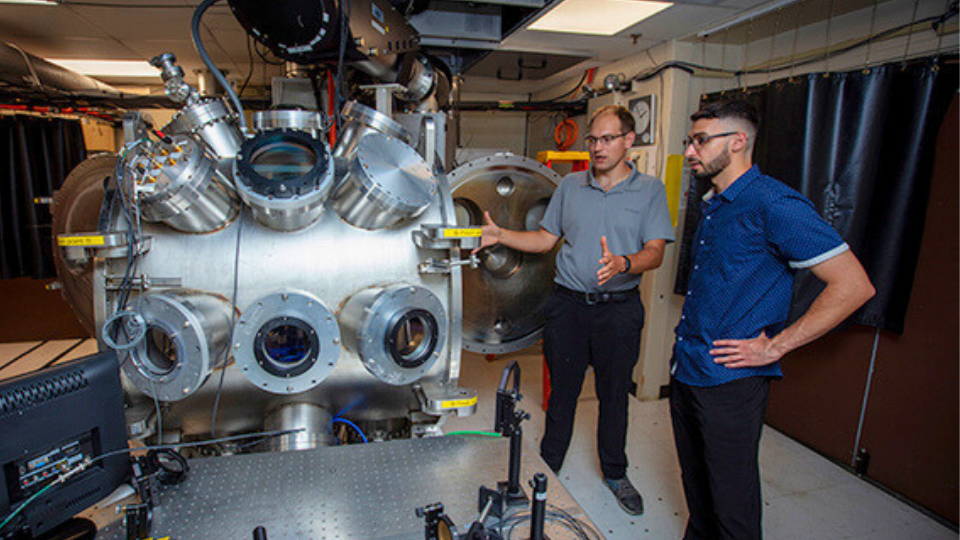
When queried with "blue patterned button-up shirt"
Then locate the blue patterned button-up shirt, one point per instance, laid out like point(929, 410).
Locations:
point(751, 240)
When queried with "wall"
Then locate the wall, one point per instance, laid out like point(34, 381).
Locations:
point(486, 132)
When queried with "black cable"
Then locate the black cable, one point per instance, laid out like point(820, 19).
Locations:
point(262, 55)
point(263, 435)
point(575, 88)
point(556, 517)
point(233, 317)
point(250, 72)
point(344, 31)
point(217, 74)
point(85, 464)
point(934, 20)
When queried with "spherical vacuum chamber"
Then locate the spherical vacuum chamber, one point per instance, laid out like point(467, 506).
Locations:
point(247, 310)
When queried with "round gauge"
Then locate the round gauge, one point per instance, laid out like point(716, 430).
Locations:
point(641, 110)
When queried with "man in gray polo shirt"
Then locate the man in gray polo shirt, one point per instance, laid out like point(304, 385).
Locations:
point(615, 224)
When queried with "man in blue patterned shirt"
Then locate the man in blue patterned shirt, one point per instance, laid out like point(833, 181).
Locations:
point(753, 236)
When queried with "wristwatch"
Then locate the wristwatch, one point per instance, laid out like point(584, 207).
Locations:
point(626, 268)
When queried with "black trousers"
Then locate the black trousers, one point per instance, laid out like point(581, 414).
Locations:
point(717, 432)
point(606, 336)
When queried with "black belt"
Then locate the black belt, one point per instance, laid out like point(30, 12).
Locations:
point(598, 297)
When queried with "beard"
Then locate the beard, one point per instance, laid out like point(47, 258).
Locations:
point(713, 168)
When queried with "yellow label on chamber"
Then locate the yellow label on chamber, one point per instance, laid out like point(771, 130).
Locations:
point(70, 241)
point(458, 403)
point(467, 232)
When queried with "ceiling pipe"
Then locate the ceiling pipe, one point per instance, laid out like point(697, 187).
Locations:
point(24, 70)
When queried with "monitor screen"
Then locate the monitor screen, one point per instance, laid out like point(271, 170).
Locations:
point(50, 421)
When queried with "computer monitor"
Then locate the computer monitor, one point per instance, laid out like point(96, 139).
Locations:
point(50, 421)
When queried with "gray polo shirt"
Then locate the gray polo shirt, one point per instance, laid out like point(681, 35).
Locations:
point(632, 213)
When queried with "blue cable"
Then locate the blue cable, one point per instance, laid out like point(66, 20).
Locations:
point(351, 424)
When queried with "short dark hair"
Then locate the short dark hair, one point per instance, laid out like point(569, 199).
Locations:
point(736, 109)
point(626, 117)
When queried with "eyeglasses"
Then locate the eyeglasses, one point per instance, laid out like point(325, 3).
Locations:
point(605, 139)
point(699, 140)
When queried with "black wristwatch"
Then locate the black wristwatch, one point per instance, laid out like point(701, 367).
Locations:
point(627, 269)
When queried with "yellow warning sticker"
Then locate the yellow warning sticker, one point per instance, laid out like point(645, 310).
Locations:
point(458, 403)
point(467, 232)
point(70, 241)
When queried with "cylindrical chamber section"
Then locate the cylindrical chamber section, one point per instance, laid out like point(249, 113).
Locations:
point(387, 182)
point(398, 331)
point(290, 119)
point(286, 342)
point(312, 420)
point(285, 177)
point(187, 337)
point(359, 121)
point(179, 186)
point(213, 122)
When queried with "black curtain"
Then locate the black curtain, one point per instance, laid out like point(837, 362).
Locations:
point(36, 154)
point(859, 145)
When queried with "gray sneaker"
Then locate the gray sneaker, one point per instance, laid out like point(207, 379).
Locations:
point(627, 495)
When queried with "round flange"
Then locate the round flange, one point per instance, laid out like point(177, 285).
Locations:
point(358, 121)
point(212, 121)
point(185, 339)
point(398, 331)
point(188, 192)
point(282, 164)
point(286, 342)
point(309, 121)
point(284, 176)
point(388, 181)
point(504, 297)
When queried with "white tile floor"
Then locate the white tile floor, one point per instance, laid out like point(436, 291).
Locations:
point(806, 496)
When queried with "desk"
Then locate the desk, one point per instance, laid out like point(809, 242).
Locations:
point(348, 492)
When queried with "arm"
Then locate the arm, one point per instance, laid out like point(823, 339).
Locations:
point(529, 241)
point(648, 258)
point(848, 288)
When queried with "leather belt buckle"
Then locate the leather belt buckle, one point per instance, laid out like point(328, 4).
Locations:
point(592, 298)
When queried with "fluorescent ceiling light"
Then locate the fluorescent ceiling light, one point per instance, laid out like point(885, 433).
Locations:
point(109, 68)
point(35, 2)
point(597, 17)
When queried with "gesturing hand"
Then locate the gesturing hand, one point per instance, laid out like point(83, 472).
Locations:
point(610, 264)
point(741, 353)
point(490, 232)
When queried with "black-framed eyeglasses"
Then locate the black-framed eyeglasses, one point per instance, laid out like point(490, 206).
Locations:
point(699, 140)
point(605, 139)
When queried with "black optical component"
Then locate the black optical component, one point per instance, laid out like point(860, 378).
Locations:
point(286, 346)
point(295, 30)
point(282, 164)
point(413, 338)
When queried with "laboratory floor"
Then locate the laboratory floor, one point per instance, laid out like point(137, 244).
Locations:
point(806, 497)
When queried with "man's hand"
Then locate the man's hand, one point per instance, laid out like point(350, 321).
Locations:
point(491, 233)
point(610, 264)
point(741, 353)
